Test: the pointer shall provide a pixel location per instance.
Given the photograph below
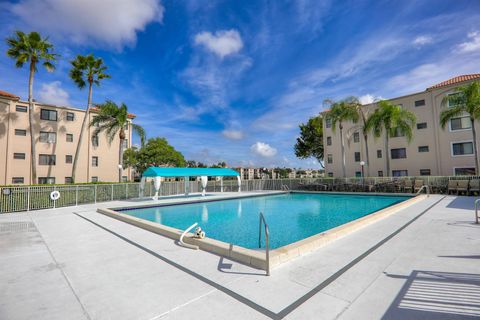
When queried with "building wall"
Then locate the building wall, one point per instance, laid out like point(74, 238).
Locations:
point(439, 159)
point(10, 143)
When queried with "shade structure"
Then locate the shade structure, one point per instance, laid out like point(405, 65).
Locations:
point(186, 173)
point(189, 172)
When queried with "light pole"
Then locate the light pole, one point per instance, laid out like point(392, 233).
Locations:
point(362, 164)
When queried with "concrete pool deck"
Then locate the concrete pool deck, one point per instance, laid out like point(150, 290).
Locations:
point(74, 263)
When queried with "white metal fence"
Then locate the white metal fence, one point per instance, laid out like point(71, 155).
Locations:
point(25, 198)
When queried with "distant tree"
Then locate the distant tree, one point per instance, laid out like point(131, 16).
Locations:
point(112, 119)
point(156, 152)
point(31, 48)
point(310, 142)
point(191, 164)
point(465, 100)
point(339, 113)
point(221, 164)
point(392, 119)
point(86, 70)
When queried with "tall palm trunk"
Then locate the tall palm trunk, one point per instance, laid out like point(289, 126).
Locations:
point(343, 149)
point(474, 139)
point(120, 154)
point(82, 131)
point(31, 120)
point(387, 154)
point(367, 156)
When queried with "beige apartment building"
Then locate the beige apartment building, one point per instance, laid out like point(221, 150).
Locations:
point(56, 132)
point(433, 150)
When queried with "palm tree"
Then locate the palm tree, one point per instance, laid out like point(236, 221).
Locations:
point(363, 114)
point(391, 118)
point(340, 112)
point(466, 100)
point(33, 49)
point(86, 69)
point(112, 119)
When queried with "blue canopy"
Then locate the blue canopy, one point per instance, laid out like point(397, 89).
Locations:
point(189, 172)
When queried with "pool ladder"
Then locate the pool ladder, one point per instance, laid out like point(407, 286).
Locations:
point(267, 247)
point(285, 187)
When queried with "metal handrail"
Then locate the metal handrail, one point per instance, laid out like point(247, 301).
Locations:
point(267, 247)
point(187, 245)
point(424, 187)
point(476, 210)
point(285, 187)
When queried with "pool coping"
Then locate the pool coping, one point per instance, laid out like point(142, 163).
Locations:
point(257, 258)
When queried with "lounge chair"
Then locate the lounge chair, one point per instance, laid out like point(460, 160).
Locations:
point(462, 186)
point(452, 186)
point(418, 185)
point(407, 186)
point(474, 186)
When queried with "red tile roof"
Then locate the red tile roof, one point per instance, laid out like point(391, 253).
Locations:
point(130, 115)
point(462, 78)
point(8, 95)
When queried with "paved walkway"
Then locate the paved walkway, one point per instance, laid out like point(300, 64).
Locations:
point(73, 263)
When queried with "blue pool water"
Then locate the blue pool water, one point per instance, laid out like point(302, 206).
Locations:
point(290, 217)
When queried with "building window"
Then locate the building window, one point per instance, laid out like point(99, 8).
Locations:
point(358, 174)
point(68, 180)
point(20, 132)
point(462, 148)
point(94, 161)
point(69, 137)
point(19, 156)
point(94, 179)
point(17, 180)
point(460, 123)
point(48, 137)
point(419, 103)
point(398, 132)
point(21, 109)
point(70, 116)
point(330, 174)
point(464, 171)
point(47, 160)
point(46, 114)
point(125, 143)
point(124, 178)
point(421, 125)
point(379, 154)
point(357, 156)
point(424, 172)
point(457, 99)
point(68, 158)
point(329, 141)
point(423, 149)
point(380, 173)
point(329, 158)
point(356, 137)
point(46, 180)
point(400, 173)
point(399, 153)
point(328, 123)
point(95, 140)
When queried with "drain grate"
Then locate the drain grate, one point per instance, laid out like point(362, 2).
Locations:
point(17, 226)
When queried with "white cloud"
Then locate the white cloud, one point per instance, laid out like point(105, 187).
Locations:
point(233, 134)
point(107, 22)
point(369, 98)
point(52, 93)
point(222, 43)
point(422, 40)
point(263, 149)
point(472, 45)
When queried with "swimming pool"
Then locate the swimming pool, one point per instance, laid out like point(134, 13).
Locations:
point(291, 217)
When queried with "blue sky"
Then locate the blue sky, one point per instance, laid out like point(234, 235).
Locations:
point(231, 80)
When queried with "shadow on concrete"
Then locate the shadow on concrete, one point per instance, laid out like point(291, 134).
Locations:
point(145, 199)
point(436, 295)
point(462, 257)
point(462, 202)
point(468, 224)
